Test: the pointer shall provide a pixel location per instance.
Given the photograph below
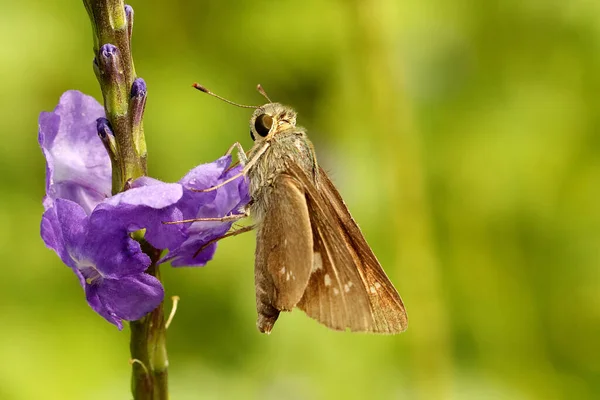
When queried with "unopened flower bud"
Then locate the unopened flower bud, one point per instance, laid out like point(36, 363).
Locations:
point(129, 18)
point(107, 136)
point(137, 101)
point(112, 79)
point(137, 104)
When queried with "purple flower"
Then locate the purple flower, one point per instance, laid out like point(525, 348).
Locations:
point(90, 229)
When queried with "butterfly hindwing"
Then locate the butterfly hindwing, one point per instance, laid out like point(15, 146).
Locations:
point(284, 251)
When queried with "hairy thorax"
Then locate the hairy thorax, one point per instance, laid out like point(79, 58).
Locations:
point(287, 147)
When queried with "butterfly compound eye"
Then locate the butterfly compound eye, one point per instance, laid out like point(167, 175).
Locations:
point(263, 124)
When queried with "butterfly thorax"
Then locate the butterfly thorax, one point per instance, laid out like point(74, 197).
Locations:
point(285, 147)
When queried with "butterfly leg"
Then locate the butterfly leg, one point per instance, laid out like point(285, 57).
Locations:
point(228, 234)
point(241, 154)
point(244, 171)
point(232, 217)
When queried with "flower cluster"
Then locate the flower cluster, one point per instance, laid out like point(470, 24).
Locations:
point(91, 230)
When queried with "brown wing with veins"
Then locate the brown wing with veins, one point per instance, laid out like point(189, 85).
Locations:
point(347, 289)
point(284, 252)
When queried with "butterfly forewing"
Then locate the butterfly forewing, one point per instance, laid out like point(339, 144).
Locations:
point(284, 251)
point(385, 301)
point(334, 296)
point(365, 299)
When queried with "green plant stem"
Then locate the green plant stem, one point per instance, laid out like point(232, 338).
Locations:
point(148, 335)
point(109, 25)
point(148, 348)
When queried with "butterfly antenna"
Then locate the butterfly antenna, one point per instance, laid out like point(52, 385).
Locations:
point(205, 90)
point(262, 91)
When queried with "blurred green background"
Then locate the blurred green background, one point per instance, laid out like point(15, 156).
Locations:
point(464, 136)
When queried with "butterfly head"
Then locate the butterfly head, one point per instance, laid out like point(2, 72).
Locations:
point(270, 119)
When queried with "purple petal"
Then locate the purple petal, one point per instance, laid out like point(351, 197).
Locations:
point(145, 207)
point(205, 175)
point(106, 248)
point(63, 230)
point(236, 194)
point(157, 195)
point(229, 197)
point(185, 255)
point(94, 301)
point(113, 253)
point(51, 232)
point(77, 165)
point(128, 298)
point(223, 201)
